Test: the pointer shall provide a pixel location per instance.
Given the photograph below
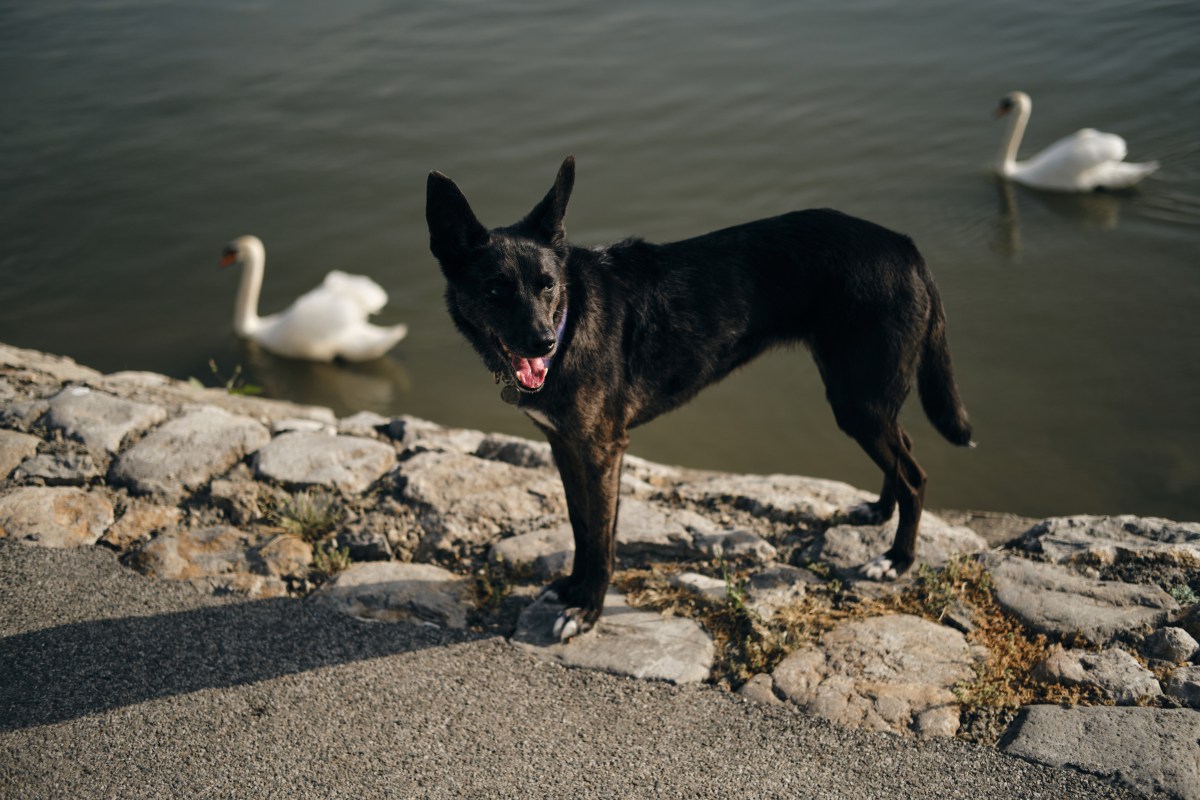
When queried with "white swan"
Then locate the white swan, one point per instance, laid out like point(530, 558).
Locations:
point(1081, 162)
point(323, 324)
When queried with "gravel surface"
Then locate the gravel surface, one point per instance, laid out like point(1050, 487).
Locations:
point(115, 685)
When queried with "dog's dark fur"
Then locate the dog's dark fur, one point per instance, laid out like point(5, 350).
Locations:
point(647, 326)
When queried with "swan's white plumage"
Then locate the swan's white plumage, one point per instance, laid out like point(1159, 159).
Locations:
point(325, 323)
point(1087, 159)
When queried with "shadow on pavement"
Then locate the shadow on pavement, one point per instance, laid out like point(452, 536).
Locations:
point(65, 672)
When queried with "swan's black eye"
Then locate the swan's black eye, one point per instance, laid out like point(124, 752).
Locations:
point(1006, 103)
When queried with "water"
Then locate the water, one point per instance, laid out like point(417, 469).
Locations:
point(138, 137)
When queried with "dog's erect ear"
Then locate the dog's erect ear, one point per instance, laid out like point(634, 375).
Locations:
point(453, 229)
point(546, 219)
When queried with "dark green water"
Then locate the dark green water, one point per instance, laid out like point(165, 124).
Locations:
point(137, 137)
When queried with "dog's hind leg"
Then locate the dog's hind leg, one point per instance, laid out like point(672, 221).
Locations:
point(890, 447)
point(881, 510)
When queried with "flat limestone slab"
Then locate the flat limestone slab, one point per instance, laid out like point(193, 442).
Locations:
point(893, 673)
point(347, 463)
point(390, 591)
point(185, 453)
point(848, 547)
point(1062, 603)
point(98, 419)
point(626, 641)
point(1149, 750)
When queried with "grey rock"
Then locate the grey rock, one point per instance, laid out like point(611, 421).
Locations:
point(1115, 672)
point(463, 501)
point(1061, 603)
point(515, 451)
point(58, 469)
point(364, 423)
point(98, 419)
point(789, 499)
point(1190, 621)
point(301, 425)
point(1184, 686)
point(894, 673)
point(185, 453)
point(138, 522)
point(735, 545)
point(60, 368)
point(347, 463)
point(224, 559)
point(392, 591)
point(649, 529)
point(238, 500)
point(22, 414)
point(777, 586)
point(643, 530)
point(1102, 541)
point(1171, 644)
point(1151, 751)
point(364, 541)
point(626, 641)
point(998, 528)
point(760, 688)
point(15, 447)
point(419, 435)
point(848, 547)
point(54, 516)
point(542, 555)
point(712, 589)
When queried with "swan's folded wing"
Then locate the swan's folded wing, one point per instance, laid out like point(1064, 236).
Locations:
point(312, 327)
point(364, 341)
point(1082, 150)
point(358, 289)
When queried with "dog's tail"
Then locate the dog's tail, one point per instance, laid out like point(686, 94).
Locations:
point(935, 379)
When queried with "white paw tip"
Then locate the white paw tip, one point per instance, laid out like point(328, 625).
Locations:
point(880, 569)
point(565, 627)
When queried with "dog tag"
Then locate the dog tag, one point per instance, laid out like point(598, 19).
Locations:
point(510, 394)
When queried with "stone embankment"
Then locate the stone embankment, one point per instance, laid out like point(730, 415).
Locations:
point(1068, 641)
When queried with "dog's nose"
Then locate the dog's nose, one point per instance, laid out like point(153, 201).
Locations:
point(546, 342)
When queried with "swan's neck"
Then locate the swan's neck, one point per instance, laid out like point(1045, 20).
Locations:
point(245, 309)
point(1017, 121)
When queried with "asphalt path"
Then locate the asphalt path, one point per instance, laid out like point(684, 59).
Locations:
point(116, 685)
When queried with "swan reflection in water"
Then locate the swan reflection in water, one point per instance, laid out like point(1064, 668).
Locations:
point(1094, 210)
point(380, 385)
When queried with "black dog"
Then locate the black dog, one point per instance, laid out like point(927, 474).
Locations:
point(591, 342)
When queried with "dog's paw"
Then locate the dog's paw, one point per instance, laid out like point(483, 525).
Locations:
point(570, 623)
point(880, 568)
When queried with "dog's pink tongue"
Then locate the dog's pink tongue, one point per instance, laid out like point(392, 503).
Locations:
point(531, 372)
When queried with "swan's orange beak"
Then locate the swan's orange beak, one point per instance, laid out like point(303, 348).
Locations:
point(228, 258)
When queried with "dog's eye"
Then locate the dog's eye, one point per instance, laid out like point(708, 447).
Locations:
point(546, 284)
point(499, 291)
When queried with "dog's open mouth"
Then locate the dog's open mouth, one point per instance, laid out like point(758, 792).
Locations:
point(528, 374)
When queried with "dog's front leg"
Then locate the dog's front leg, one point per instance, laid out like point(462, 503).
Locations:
point(591, 476)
